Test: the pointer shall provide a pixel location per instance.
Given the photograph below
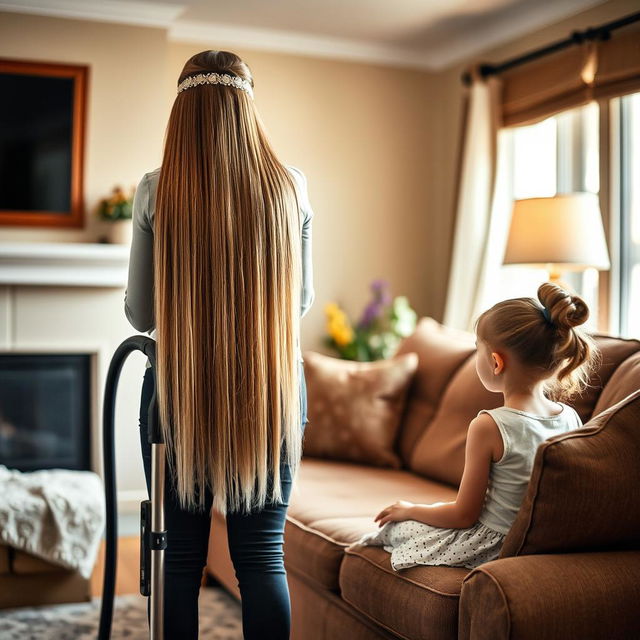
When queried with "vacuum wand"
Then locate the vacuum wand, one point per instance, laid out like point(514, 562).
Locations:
point(153, 536)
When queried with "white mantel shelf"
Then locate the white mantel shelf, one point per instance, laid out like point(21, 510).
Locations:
point(64, 264)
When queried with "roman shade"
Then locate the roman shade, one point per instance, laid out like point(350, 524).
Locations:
point(572, 77)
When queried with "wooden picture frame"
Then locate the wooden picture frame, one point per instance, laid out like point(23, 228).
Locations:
point(42, 179)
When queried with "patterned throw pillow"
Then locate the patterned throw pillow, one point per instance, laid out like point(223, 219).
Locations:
point(354, 408)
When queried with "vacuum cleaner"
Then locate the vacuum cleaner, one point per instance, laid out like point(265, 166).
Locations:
point(153, 536)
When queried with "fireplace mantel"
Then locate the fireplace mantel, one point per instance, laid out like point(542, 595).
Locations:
point(62, 264)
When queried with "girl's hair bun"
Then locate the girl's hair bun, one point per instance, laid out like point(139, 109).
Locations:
point(547, 340)
point(565, 310)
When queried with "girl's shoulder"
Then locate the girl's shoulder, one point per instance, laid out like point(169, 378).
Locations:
point(515, 424)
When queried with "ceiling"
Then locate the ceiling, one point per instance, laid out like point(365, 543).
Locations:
point(426, 34)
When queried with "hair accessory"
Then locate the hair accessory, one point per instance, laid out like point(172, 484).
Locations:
point(216, 78)
point(545, 313)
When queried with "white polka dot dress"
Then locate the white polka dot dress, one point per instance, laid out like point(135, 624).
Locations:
point(412, 543)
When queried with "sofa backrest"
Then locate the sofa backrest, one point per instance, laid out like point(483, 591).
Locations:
point(614, 352)
point(441, 351)
point(583, 493)
point(439, 452)
point(446, 394)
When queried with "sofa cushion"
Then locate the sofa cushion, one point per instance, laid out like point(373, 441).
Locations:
point(418, 602)
point(439, 453)
point(441, 351)
point(333, 503)
point(354, 408)
point(583, 495)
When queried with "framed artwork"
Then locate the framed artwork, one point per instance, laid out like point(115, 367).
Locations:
point(42, 139)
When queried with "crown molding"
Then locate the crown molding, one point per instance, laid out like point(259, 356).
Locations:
point(262, 39)
point(504, 28)
point(298, 43)
point(145, 14)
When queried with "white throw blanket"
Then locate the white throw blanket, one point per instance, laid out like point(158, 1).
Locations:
point(55, 514)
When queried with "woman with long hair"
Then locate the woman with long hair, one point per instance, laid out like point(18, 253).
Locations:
point(220, 274)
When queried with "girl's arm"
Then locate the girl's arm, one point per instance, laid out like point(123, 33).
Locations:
point(484, 444)
point(479, 452)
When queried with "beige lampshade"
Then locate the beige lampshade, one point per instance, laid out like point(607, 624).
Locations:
point(564, 231)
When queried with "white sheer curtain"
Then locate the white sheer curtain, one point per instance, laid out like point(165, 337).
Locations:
point(483, 209)
point(492, 275)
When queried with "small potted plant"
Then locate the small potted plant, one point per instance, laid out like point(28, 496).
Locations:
point(117, 211)
point(377, 335)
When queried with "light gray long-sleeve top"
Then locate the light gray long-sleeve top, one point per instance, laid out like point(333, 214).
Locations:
point(138, 296)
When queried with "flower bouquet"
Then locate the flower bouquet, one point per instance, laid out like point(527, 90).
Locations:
point(383, 324)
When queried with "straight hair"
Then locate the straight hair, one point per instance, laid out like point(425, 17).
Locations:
point(227, 287)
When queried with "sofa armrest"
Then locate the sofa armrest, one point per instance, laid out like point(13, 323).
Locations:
point(544, 597)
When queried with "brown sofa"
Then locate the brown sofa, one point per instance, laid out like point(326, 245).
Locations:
point(570, 564)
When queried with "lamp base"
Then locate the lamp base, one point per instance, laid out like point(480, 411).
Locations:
point(554, 276)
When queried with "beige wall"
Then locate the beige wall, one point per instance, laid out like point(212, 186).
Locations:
point(448, 116)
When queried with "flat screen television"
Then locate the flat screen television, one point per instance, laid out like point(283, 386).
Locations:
point(42, 133)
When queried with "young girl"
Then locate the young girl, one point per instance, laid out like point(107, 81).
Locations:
point(535, 356)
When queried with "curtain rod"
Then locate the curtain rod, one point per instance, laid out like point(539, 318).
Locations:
point(602, 32)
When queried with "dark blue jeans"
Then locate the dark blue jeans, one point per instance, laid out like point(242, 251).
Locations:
point(255, 544)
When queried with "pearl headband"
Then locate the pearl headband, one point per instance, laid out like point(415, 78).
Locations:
point(216, 78)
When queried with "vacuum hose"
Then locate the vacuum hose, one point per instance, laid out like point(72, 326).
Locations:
point(156, 539)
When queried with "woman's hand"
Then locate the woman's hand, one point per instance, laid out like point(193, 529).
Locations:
point(399, 510)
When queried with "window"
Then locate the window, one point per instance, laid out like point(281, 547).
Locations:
point(627, 111)
point(563, 153)
point(557, 155)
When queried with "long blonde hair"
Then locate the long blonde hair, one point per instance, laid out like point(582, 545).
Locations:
point(544, 335)
point(227, 286)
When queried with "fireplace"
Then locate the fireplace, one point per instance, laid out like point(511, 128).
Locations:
point(45, 411)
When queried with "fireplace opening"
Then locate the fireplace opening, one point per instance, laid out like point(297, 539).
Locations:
point(45, 411)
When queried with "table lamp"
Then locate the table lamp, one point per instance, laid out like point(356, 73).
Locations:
point(563, 232)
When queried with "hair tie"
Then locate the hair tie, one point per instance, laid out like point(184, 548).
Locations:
point(545, 313)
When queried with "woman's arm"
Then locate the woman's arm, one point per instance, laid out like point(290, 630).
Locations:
point(308, 293)
point(138, 296)
point(483, 439)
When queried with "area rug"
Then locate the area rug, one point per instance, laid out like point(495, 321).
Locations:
point(220, 619)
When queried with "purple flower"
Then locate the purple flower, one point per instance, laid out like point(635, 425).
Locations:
point(371, 313)
point(380, 288)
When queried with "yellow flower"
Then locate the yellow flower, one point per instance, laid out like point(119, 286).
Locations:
point(338, 325)
point(344, 337)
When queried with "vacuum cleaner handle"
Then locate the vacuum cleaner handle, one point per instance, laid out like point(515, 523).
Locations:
point(155, 537)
